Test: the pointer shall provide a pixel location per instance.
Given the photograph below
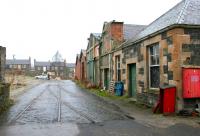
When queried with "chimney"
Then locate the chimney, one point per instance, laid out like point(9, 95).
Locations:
point(117, 31)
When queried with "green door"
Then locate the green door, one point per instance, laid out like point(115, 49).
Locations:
point(106, 78)
point(132, 80)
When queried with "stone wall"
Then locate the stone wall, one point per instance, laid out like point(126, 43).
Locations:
point(4, 96)
point(170, 43)
point(4, 88)
point(2, 63)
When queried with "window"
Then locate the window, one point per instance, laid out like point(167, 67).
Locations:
point(154, 67)
point(14, 66)
point(19, 66)
point(39, 68)
point(118, 70)
point(23, 66)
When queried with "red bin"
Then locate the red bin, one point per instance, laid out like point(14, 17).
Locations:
point(167, 99)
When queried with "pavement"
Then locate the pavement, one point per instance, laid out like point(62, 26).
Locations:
point(144, 115)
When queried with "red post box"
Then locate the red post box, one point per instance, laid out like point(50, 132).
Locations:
point(191, 83)
point(167, 99)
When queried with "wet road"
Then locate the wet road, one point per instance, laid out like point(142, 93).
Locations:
point(60, 108)
point(59, 101)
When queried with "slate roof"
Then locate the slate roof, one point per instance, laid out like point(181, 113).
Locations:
point(18, 61)
point(77, 57)
point(42, 63)
point(97, 35)
point(59, 64)
point(187, 12)
point(83, 52)
point(131, 30)
point(70, 65)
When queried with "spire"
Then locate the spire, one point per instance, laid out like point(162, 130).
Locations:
point(57, 57)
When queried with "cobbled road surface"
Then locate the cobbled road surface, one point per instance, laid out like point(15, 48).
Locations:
point(61, 108)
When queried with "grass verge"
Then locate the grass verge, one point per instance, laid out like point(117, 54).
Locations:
point(100, 92)
point(6, 105)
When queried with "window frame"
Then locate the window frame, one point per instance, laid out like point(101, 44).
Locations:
point(118, 68)
point(156, 55)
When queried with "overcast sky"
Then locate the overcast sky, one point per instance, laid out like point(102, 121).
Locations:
point(38, 28)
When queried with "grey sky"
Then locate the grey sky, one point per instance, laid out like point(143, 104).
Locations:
point(38, 28)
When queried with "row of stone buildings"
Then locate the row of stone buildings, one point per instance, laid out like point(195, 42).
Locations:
point(57, 67)
point(147, 57)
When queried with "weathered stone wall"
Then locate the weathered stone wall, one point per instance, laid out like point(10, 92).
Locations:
point(117, 53)
point(83, 68)
point(97, 72)
point(78, 69)
point(4, 88)
point(130, 55)
point(191, 49)
point(170, 60)
point(2, 63)
point(4, 95)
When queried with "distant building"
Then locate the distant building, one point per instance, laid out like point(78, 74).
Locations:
point(23, 65)
point(41, 66)
point(70, 70)
point(92, 56)
point(78, 68)
point(83, 65)
point(57, 67)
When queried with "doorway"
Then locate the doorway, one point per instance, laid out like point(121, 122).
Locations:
point(132, 80)
point(106, 78)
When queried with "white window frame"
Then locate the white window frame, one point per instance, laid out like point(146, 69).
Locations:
point(157, 64)
point(118, 67)
point(24, 66)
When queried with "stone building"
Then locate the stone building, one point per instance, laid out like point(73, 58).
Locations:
point(166, 52)
point(113, 35)
point(23, 65)
point(78, 68)
point(160, 53)
point(58, 66)
point(83, 64)
point(41, 66)
point(58, 69)
point(70, 70)
point(92, 56)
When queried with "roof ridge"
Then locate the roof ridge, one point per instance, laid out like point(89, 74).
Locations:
point(180, 18)
point(135, 24)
